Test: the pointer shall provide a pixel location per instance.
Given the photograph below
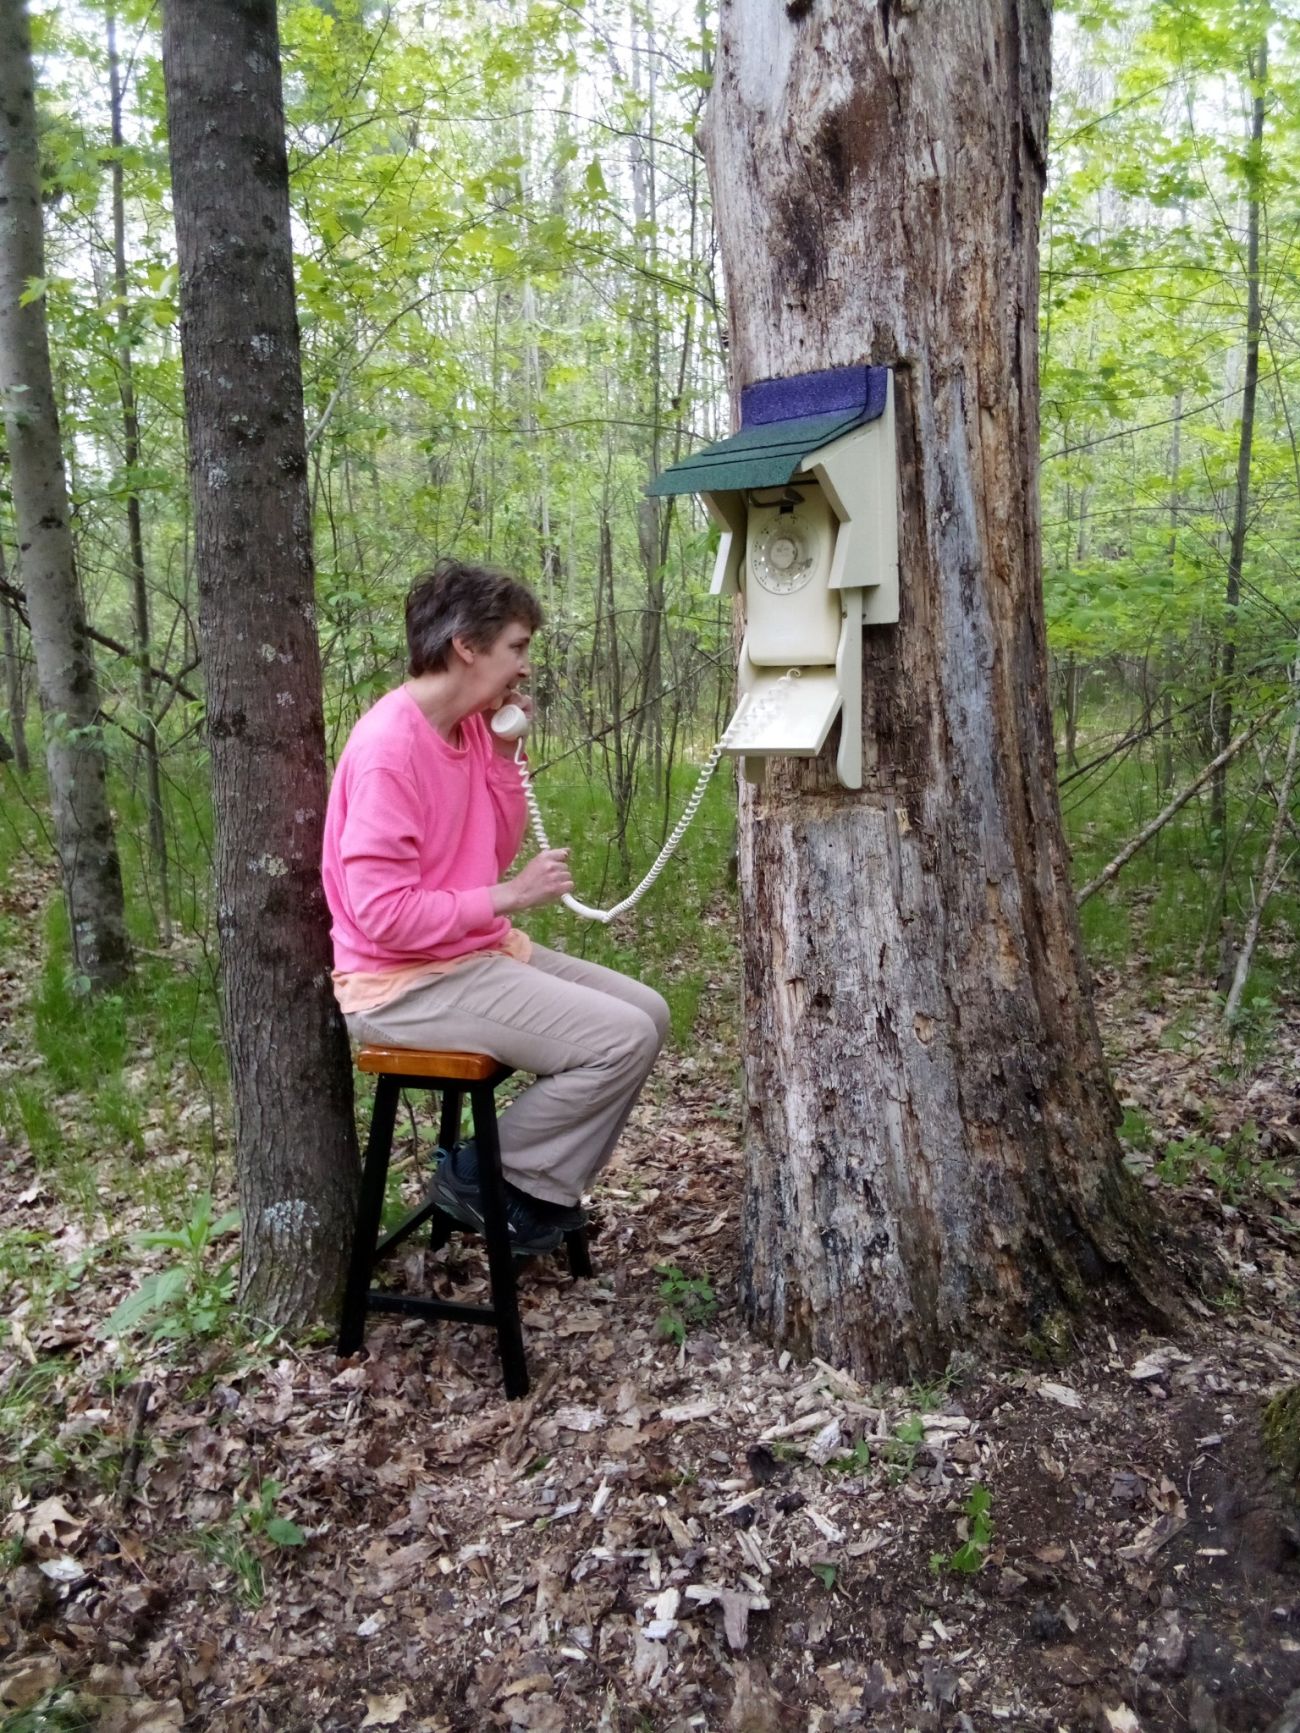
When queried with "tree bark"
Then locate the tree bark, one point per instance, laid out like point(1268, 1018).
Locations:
point(65, 672)
point(290, 1075)
point(930, 1143)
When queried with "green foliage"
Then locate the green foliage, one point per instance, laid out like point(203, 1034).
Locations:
point(187, 1298)
point(1253, 1028)
point(261, 1518)
point(1134, 1129)
point(58, 1711)
point(254, 1534)
point(900, 1449)
point(968, 1558)
point(855, 1461)
point(689, 1301)
point(1234, 1166)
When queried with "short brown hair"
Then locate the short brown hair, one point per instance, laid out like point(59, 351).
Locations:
point(455, 600)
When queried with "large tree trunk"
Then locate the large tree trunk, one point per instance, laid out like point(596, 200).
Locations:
point(931, 1151)
point(65, 672)
point(290, 1075)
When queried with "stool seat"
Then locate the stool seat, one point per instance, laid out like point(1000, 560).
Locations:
point(427, 1062)
point(451, 1075)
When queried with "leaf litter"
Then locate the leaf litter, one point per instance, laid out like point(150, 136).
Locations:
point(694, 1534)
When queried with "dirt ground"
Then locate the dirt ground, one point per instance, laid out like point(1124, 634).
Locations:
point(684, 1534)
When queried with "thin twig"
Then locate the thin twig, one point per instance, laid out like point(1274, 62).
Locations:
point(134, 1445)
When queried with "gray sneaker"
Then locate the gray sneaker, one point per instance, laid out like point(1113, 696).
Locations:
point(455, 1191)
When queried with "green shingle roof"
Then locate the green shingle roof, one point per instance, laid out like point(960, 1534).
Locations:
point(764, 456)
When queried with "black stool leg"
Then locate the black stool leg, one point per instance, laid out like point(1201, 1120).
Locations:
point(576, 1249)
point(501, 1265)
point(374, 1178)
point(449, 1125)
point(448, 1137)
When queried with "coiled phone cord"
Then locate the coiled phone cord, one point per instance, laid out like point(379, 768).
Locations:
point(747, 708)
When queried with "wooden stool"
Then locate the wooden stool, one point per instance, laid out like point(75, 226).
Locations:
point(452, 1075)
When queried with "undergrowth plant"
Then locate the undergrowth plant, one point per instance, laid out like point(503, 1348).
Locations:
point(969, 1557)
point(254, 1533)
point(187, 1298)
point(1235, 1166)
point(689, 1301)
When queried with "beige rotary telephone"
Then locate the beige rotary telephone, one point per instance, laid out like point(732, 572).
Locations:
point(806, 498)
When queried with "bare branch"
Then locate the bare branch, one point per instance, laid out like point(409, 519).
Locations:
point(177, 681)
point(1176, 805)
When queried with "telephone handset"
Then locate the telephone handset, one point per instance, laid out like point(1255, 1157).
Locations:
point(510, 722)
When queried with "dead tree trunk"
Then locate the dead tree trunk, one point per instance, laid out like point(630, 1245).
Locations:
point(931, 1152)
point(65, 671)
point(289, 1068)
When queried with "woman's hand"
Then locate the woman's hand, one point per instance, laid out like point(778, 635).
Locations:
point(545, 879)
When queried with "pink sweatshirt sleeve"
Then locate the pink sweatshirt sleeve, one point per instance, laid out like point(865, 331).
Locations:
point(511, 811)
point(379, 854)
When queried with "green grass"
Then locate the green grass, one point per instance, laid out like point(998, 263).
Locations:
point(58, 1711)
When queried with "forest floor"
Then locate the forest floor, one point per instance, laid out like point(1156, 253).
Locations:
point(678, 1528)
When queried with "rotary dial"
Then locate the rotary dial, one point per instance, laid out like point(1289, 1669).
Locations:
point(782, 555)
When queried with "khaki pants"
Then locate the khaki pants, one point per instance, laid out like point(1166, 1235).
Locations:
point(590, 1034)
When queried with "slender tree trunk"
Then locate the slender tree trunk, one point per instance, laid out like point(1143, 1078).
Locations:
point(1169, 660)
point(135, 534)
point(1268, 873)
point(65, 671)
point(14, 679)
point(290, 1075)
point(930, 1143)
point(647, 325)
point(1222, 722)
point(1072, 710)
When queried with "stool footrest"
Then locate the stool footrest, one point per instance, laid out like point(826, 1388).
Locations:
point(406, 1227)
point(380, 1300)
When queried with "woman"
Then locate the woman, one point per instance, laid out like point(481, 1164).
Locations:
point(425, 816)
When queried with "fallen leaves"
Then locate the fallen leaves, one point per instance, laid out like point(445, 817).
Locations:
point(51, 1524)
point(23, 1681)
point(385, 1711)
point(621, 1543)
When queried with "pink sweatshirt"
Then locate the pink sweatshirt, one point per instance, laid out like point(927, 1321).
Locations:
point(416, 831)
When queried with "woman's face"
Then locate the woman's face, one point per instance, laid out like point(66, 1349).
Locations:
point(501, 667)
